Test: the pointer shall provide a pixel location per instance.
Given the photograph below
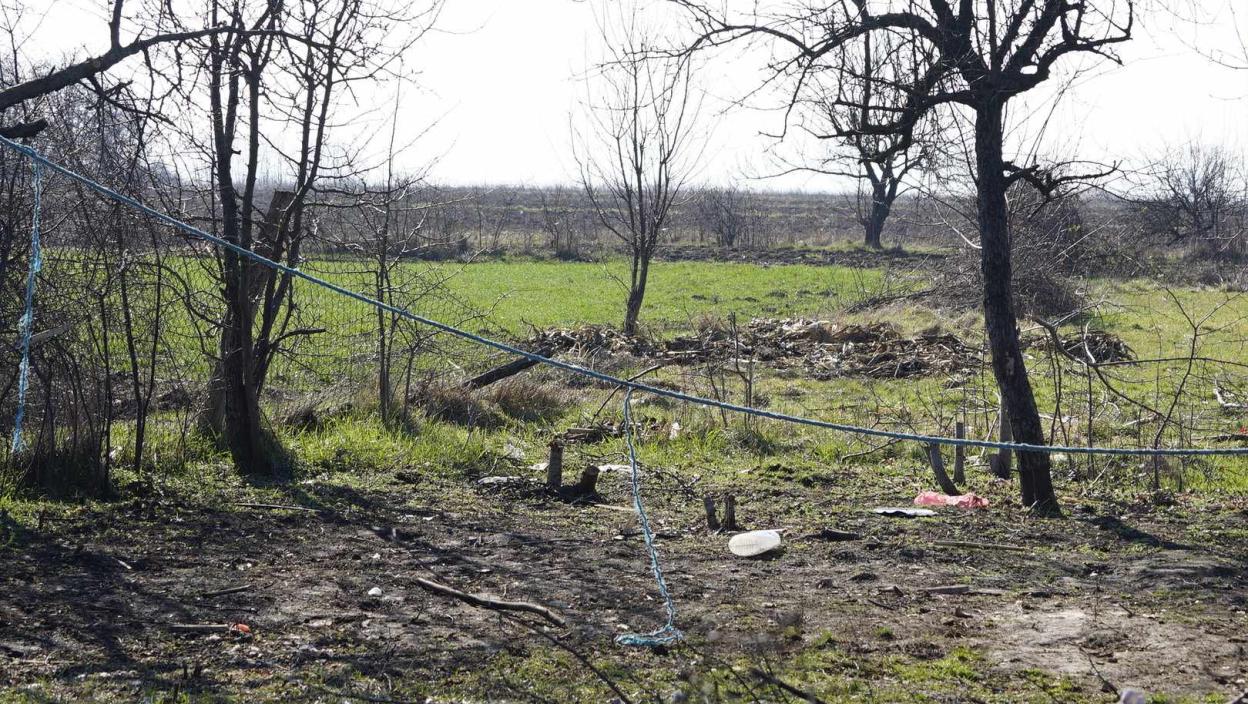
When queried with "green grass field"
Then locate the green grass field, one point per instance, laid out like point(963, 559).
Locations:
point(545, 294)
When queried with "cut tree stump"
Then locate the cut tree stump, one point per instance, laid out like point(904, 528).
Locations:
point(554, 467)
point(730, 512)
point(589, 481)
point(712, 514)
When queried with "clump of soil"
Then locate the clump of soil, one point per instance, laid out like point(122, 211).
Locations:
point(822, 348)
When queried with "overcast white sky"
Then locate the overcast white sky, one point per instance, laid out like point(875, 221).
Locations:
point(502, 76)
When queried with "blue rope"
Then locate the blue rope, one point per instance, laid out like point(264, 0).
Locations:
point(607, 378)
point(669, 632)
point(27, 323)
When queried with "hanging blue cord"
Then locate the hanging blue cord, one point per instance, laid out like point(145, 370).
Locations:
point(669, 632)
point(27, 324)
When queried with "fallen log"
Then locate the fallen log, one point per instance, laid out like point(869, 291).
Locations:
point(505, 371)
point(835, 536)
point(491, 603)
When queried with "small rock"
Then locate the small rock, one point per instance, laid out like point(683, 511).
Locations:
point(374, 592)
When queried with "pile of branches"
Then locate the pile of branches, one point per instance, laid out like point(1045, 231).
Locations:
point(1096, 346)
point(823, 348)
point(879, 351)
point(592, 341)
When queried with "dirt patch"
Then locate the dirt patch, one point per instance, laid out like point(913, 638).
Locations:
point(90, 603)
point(821, 349)
point(1108, 641)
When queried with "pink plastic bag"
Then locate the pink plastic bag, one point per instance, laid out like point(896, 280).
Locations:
point(933, 498)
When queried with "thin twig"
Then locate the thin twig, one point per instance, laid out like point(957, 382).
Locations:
point(979, 546)
point(785, 686)
point(615, 389)
point(574, 653)
point(491, 603)
point(223, 592)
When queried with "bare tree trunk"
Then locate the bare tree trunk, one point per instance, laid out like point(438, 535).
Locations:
point(1035, 478)
point(385, 390)
point(234, 390)
point(243, 430)
point(636, 294)
point(243, 290)
point(873, 224)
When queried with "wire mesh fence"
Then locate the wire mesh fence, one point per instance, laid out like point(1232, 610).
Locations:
point(126, 341)
point(136, 338)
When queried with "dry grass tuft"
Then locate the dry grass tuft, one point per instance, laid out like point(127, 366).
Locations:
point(531, 401)
point(455, 404)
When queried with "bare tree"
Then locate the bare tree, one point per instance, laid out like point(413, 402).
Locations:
point(155, 26)
point(638, 146)
point(836, 105)
point(566, 224)
point(1197, 195)
point(975, 55)
point(277, 88)
point(384, 222)
point(729, 213)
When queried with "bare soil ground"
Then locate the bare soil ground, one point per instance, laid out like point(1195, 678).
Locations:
point(1113, 595)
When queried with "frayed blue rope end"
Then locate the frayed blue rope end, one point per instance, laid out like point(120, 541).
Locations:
point(663, 636)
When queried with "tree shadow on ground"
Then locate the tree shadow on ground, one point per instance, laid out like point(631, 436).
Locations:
point(99, 596)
